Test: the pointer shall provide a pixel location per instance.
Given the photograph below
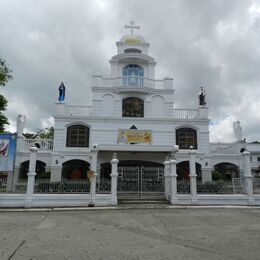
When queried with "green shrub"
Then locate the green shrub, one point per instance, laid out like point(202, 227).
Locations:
point(216, 175)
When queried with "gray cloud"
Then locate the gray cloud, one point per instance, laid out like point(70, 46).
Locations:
point(210, 43)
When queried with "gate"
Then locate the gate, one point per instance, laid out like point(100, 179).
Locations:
point(140, 181)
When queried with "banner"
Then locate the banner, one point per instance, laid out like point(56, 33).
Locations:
point(7, 152)
point(128, 136)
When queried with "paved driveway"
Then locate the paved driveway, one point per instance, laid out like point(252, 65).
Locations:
point(131, 234)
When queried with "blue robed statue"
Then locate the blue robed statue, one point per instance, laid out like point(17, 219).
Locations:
point(61, 92)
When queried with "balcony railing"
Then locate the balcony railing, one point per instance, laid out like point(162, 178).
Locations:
point(224, 148)
point(179, 113)
point(45, 144)
point(78, 110)
point(134, 81)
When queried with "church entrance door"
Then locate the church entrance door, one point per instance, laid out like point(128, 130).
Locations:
point(140, 181)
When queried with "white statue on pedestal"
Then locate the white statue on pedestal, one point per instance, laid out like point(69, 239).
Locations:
point(237, 130)
point(20, 124)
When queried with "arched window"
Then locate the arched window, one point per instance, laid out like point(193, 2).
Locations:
point(133, 75)
point(77, 136)
point(133, 107)
point(132, 50)
point(186, 137)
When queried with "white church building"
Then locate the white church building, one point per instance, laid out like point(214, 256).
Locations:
point(133, 114)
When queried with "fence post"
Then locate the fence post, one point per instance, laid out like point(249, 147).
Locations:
point(114, 176)
point(248, 178)
point(193, 175)
point(166, 174)
point(31, 177)
point(94, 154)
point(173, 181)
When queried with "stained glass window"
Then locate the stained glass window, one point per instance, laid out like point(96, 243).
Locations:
point(133, 107)
point(133, 75)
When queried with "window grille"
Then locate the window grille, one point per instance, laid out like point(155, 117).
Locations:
point(77, 136)
point(186, 137)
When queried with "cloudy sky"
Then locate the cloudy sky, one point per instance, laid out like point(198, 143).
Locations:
point(210, 43)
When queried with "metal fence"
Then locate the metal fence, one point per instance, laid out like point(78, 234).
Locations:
point(103, 186)
point(64, 186)
point(234, 186)
point(3, 184)
point(183, 186)
point(256, 185)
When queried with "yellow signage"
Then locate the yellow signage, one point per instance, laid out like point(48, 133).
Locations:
point(127, 136)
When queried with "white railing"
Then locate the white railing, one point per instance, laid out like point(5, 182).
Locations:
point(185, 113)
point(45, 144)
point(224, 148)
point(78, 110)
point(133, 81)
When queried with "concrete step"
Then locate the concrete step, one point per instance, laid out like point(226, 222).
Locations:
point(143, 206)
point(142, 200)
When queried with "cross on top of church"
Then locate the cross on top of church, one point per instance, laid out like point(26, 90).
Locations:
point(132, 27)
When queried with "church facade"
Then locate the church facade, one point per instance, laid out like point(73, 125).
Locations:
point(132, 115)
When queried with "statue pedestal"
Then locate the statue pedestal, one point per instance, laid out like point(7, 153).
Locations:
point(60, 108)
point(203, 112)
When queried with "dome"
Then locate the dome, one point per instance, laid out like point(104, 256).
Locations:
point(132, 39)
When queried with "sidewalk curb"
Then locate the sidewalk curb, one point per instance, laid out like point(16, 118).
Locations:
point(122, 207)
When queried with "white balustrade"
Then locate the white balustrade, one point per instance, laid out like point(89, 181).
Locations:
point(45, 144)
point(133, 81)
point(224, 148)
point(78, 110)
point(180, 113)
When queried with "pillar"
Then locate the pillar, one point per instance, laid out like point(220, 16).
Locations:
point(193, 176)
point(15, 177)
point(206, 174)
point(203, 112)
point(31, 177)
point(248, 178)
point(114, 176)
point(56, 173)
point(166, 175)
point(173, 181)
point(93, 167)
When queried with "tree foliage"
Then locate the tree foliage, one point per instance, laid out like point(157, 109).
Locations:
point(5, 76)
point(46, 133)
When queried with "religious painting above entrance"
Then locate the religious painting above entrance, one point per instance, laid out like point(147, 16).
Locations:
point(133, 107)
point(132, 136)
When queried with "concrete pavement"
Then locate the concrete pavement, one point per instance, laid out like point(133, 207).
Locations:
point(178, 233)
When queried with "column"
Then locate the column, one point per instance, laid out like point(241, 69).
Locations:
point(93, 181)
point(193, 176)
point(248, 178)
point(56, 173)
point(173, 181)
point(166, 174)
point(114, 176)
point(206, 174)
point(31, 177)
